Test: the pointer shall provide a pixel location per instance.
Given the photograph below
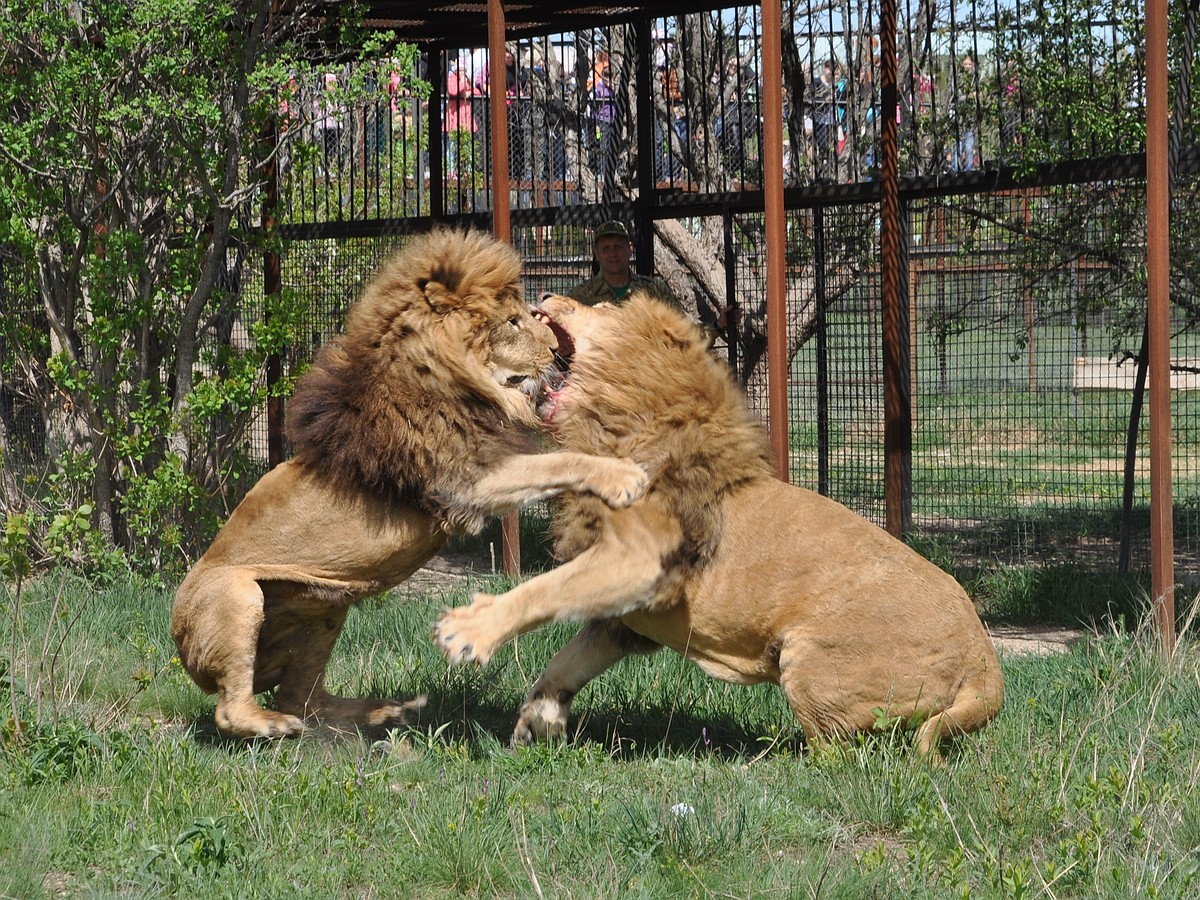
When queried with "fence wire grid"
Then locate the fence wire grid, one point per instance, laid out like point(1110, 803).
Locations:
point(1021, 336)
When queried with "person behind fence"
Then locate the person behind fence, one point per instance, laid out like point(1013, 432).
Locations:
point(327, 118)
point(612, 249)
point(549, 86)
point(735, 118)
point(604, 111)
point(459, 121)
point(669, 160)
point(962, 114)
point(822, 97)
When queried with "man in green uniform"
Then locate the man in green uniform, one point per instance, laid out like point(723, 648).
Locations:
point(613, 248)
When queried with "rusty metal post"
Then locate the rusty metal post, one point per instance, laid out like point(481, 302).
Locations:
point(645, 146)
point(1158, 265)
point(510, 524)
point(498, 113)
point(897, 410)
point(776, 234)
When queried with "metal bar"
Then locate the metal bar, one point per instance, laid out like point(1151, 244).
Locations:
point(1158, 266)
point(731, 301)
point(510, 524)
point(897, 411)
point(645, 153)
point(437, 181)
point(776, 236)
point(822, 338)
point(272, 287)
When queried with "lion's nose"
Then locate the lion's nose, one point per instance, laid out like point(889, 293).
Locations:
point(547, 296)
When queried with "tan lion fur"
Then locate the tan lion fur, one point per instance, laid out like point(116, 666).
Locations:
point(753, 579)
point(408, 428)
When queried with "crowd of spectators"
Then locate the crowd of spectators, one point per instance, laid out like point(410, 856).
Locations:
point(568, 125)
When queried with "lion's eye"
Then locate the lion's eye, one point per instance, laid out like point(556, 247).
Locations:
point(515, 321)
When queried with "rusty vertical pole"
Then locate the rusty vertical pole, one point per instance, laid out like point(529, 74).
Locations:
point(272, 286)
point(510, 524)
point(1158, 265)
point(897, 410)
point(776, 244)
point(644, 109)
point(498, 113)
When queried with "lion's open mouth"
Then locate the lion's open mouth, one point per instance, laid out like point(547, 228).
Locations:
point(554, 380)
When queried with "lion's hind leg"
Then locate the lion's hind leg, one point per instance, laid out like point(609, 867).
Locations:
point(975, 704)
point(594, 648)
point(216, 623)
point(302, 644)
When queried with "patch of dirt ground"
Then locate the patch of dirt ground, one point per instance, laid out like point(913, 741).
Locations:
point(1034, 640)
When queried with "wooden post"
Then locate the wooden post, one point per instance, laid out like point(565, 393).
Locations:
point(1158, 269)
point(897, 409)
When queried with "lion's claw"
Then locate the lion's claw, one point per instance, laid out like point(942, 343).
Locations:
point(462, 634)
point(634, 481)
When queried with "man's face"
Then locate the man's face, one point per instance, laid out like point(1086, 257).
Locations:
point(613, 252)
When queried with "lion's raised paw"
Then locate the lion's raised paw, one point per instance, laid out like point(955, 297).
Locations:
point(464, 636)
point(629, 484)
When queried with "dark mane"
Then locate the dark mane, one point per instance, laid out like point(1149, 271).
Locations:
point(401, 404)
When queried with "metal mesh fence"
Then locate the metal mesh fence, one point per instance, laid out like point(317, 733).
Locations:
point(1025, 305)
point(1022, 388)
point(979, 86)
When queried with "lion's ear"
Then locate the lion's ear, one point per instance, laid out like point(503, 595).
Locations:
point(440, 297)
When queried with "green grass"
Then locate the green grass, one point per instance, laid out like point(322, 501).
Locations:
point(673, 785)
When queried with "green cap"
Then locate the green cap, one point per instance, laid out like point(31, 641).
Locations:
point(612, 228)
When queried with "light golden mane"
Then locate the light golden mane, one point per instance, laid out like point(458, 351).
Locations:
point(646, 388)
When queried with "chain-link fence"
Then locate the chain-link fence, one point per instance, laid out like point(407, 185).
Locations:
point(1024, 285)
point(1023, 383)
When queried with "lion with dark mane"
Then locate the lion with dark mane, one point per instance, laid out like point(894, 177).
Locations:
point(753, 579)
point(410, 427)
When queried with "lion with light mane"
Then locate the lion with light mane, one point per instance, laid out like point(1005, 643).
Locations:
point(410, 427)
point(753, 579)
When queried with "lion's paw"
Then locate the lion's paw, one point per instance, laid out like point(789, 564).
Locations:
point(540, 719)
point(629, 485)
point(465, 633)
point(396, 712)
point(261, 724)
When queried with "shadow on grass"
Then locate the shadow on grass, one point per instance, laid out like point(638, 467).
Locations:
point(325, 736)
point(647, 730)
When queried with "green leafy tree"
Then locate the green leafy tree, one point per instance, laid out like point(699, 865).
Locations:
point(1080, 86)
point(130, 187)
